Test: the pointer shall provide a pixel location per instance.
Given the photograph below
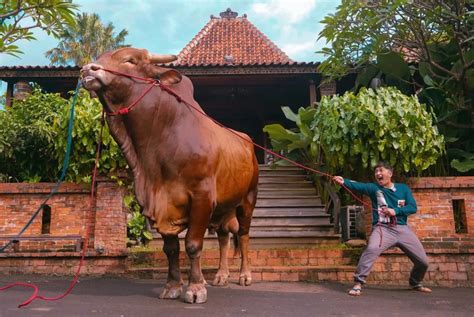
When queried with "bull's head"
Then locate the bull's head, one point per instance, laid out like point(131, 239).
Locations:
point(133, 61)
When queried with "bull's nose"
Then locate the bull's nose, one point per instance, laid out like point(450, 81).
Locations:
point(90, 67)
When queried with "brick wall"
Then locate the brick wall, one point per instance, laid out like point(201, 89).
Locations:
point(451, 254)
point(315, 264)
point(70, 216)
point(435, 218)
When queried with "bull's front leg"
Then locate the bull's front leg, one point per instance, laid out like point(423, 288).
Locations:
point(174, 284)
point(198, 222)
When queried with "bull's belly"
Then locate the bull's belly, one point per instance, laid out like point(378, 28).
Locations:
point(171, 226)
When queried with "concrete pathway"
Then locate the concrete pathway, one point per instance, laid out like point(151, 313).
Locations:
point(113, 296)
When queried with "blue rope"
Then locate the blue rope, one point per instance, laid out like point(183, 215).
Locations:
point(63, 173)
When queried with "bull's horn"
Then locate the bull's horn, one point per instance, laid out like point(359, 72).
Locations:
point(159, 58)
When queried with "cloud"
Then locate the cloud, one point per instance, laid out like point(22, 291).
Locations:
point(298, 48)
point(286, 11)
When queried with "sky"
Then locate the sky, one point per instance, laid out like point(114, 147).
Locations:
point(166, 26)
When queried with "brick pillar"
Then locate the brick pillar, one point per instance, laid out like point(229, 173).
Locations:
point(110, 233)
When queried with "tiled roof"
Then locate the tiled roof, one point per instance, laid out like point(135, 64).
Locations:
point(231, 40)
point(30, 67)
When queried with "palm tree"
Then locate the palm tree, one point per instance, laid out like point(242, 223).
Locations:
point(82, 43)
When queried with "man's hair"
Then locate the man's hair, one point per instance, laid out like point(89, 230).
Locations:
point(385, 165)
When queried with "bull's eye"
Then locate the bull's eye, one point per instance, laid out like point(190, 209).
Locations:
point(130, 60)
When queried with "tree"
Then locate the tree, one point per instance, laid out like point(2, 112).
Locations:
point(422, 47)
point(19, 18)
point(84, 41)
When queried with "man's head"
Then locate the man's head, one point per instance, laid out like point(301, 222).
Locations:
point(383, 174)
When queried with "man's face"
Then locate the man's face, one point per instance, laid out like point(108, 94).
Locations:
point(383, 176)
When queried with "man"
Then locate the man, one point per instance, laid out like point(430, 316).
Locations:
point(391, 204)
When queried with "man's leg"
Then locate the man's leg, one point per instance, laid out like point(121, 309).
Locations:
point(413, 248)
point(381, 238)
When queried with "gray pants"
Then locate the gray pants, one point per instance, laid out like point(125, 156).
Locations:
point(400, 236)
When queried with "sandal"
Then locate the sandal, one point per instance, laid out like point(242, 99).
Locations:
point(355, 291)
point(421, 288)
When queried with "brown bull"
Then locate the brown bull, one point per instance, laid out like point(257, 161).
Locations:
point(189, 173)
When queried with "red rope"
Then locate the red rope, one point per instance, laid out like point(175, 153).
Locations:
point(124, 111)
point(155, 82)
point(84, 246)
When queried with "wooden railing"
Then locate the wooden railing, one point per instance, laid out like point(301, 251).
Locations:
point(333, 206)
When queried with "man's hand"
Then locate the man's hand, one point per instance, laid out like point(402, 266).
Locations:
point(388, 211)
point(338, 180)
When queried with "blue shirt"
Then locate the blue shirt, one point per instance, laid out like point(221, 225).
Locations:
point(399, 198)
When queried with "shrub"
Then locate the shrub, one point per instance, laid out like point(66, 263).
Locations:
point(356, 131)
point(28, 136)
point(85, 137)
point(349, 134)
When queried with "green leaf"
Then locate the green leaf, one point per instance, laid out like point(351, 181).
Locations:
point(463, 166)
point(148, 235)
point(289, 114)
point(365, 76)
point(392, 63)
point(278, 132)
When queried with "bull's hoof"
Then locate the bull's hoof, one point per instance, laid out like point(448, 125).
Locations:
point(171, 291)
point(221, 279)
point(195, 294)
point(245, 279)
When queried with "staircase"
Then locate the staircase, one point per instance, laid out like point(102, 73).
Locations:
point(288, 213)
point(291, 238)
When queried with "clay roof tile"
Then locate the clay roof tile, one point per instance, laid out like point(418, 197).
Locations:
point(231, 40)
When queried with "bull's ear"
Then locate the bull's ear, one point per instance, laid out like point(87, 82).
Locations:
point(170, 77)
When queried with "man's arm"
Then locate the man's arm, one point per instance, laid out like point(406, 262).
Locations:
point(363, 188)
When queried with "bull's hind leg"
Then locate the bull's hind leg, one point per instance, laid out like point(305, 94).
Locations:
point(244, 217)
point(174, 284)
point(222, 275)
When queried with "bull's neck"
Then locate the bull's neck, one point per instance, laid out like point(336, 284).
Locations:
point(151, 121)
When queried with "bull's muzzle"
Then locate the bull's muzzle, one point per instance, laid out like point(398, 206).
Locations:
point(90, 77)
point(91, 67)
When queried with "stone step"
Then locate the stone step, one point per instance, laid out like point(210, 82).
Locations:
point(322, 232)
point(305, 273)
point(281, 178)
point(307, 191)
point(288, 222)
point(289, 202)
point(293, 169)
point(295, 256)
point(285, 194)
point(289, 212)
point(286, 185)
point(289, 180)
point(282, 172)
point(264, 239)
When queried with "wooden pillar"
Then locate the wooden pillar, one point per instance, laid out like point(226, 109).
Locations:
point(312, 93)
point(8, 99)
point(328, 88)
